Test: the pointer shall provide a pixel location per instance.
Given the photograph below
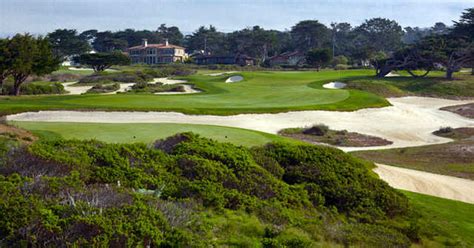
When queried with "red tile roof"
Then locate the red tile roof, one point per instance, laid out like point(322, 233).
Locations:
point(155, 46)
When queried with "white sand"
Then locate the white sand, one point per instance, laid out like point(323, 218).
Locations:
point(392, 74)
point(75, 90)
point(168, 81)
point(409, 122)
point(234, 79)
point(427, 183)
point(221, 73)
point(334, 85)
point(188, 89)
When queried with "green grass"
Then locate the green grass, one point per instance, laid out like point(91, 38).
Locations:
point(146, 132)
point(260, 92)
point(434, 85)
point(454, 220)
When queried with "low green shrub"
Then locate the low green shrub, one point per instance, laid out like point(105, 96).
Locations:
point(36, 88)
point(104, 88)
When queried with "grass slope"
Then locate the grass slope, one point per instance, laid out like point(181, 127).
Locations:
point(146, 133)
point(453, 221)
point(258, 92)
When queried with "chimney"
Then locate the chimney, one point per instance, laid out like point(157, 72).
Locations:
point(144, 42)
point(166, 42)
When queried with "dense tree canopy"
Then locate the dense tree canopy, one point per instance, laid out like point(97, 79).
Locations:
point(102, 61)
point(310, 34)
point(66, 42)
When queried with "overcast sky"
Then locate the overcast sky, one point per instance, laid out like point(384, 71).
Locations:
point(42, 16)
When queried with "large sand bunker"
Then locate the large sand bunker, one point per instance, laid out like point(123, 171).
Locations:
point(427, 183)
point(409, 122)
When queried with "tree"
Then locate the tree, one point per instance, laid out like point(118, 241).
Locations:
point(256, 42)
point(465, 28)
point(172, 33)
point(102, 61)
point(310, 34)
point(4, 62)
point(318, 57)
point(207, 39)
point(381, 34)
point(29, 55)
point(66, 42)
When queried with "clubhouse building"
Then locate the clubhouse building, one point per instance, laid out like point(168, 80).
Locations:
point(162, 53)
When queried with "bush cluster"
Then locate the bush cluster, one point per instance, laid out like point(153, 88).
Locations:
point(180, 192)
point(36, 88)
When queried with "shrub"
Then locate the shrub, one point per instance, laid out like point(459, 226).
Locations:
point(104, 88)
point(37, 88)
point(445, 130)
point(318, 130)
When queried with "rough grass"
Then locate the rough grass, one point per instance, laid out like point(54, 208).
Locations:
point(260, 92)
point(146, 132)
point(453, 158)
point(453, 221)
point(433, 85)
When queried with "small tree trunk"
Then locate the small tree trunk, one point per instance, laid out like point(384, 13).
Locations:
point(472, 70)
point(16, 89)
point(449, 74)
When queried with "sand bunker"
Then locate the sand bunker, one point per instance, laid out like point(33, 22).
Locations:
point(392, 74)
point(234, 79)
point(166, 80)
point(221, 73)
point(75, 90)
point(334, 85)
point(409, 122)
point(427, 183)
point(188, 89)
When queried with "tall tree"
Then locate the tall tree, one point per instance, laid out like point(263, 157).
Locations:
point(4, 62)
point(380, 34)
point(465, 28)
point(172, 33)
point(30, 55)
point(256, 42)
point(207, 39)
point(310, 34)
point(66, 42)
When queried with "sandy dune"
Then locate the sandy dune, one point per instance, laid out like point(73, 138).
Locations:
point(334, 85)
point(409, 122)
point(427, 183)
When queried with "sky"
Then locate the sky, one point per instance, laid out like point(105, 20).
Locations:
point(43, 16)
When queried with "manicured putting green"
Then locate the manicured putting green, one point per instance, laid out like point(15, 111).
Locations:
point(259, 92)
point(147, 133)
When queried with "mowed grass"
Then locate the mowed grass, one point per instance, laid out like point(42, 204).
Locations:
point(454, 220)
point(259, 92)
point(145, 132)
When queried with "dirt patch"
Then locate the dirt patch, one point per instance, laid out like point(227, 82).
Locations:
point(466, 110)
point(20, 135)
point(318, 135)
